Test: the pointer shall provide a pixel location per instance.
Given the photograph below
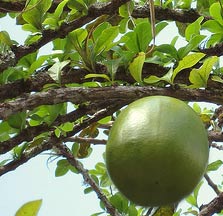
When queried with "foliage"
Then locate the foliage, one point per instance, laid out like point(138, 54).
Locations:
point(103, 58)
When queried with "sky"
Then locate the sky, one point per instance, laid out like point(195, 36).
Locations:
point(61, 195)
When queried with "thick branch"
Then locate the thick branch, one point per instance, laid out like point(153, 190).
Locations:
point(215, 206)
point(216, 136)
point(184, 16)
point(122, 94)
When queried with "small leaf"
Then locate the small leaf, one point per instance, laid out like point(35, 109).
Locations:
point(154, 79)
point(143, 35)
point(62, 167)
point(5, 38)
point(29, 209)
point(168, 49)
point(106, 40)
point(217, 79)
point(119, 202)
point(88, 190)
point(191, 200)
point(17, 120)
point(214, 165)
point(193, 29)
point(197, 108)
point(104, 76)
point(132, 211)
point(135, 67)
point(187, 62)
point(199, 77)
point(56, 69)
point(126, 9)
point(216, 11)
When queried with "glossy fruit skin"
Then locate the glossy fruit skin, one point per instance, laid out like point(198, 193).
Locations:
point(157, 151)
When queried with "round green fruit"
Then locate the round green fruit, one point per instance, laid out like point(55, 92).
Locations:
point(157, 151)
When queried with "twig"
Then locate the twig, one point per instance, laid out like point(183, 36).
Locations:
point(215, 145)
point(86, 140)
point(24, 158)
point(65, 152)
point(212, 184)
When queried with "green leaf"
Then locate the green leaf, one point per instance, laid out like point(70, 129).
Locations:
point(216, 11)
point(197, 108)
point(191, 45)
point(79, 5)
point(217, 79)
point(29, 209)
point(214, 165)
point(62, 167)
point(197, 189)
point(68, 126)
point(187, 62)
point(77, 37)
point(59, 10)
point(88, 190)
point(213, 26)
point(168, 49)
point(143, 36)
point(154, 79)
point(135, 67)
point(192, 198)
point(119, 202)
point(6, 130)
point(132, 211)
point(105, 120)
point(199, 77)
point(104, 76)
point(193, 29)
point(5, 38)
point(126, 9)
point(75, 149)
point(139, 39)
point(106, 40)
point(56, 69)
point(17, 120)
point(38, 63)
point(184, 4)
point(34, 13)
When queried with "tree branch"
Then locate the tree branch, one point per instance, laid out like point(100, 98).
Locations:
point(183, 16)
point(53, 140)
point(211, 184)
point(26, 156)
point(29, 133)
point(86, 140)
point(122, 94)
point(65, 152)
point(215, 206)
